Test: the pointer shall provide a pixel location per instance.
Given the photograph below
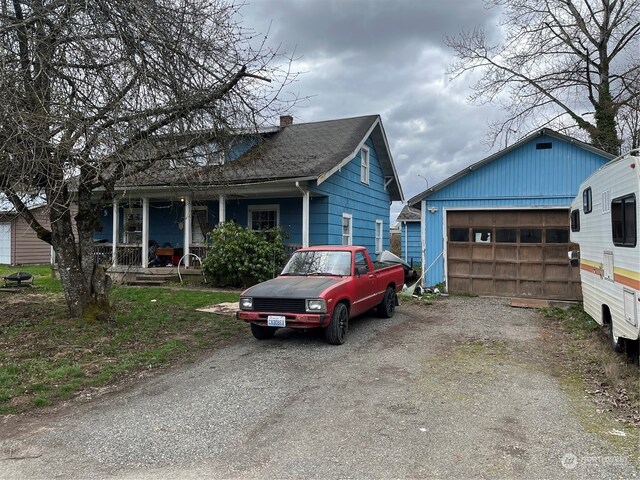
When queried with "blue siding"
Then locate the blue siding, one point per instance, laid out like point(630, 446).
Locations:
point(290, 214)
point(366, 203)
point(411, 242)
point(524, 177)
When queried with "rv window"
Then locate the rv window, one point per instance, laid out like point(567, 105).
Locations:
point(458, 234)
point(586, 200)
point(575, 220)
point(623, 221)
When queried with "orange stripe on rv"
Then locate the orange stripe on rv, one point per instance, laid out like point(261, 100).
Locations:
point(629, 282)
point(617, 277)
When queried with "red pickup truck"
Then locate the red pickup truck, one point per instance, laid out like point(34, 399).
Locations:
point(322, 287)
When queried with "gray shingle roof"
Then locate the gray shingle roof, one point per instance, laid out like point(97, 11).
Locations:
point(297, 151)
point(409, 214)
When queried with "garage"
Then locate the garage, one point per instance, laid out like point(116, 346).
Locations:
point(508, 252)
point(5, 243)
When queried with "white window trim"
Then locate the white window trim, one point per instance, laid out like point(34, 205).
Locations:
point(350, 217)
point(262, 208)
point(379, 230)
point(365, 165)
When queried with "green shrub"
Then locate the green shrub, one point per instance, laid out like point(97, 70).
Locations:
point(239, 257)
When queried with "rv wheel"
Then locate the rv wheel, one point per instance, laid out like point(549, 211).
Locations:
point(617, 343)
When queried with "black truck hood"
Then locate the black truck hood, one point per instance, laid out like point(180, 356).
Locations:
point(292, 287)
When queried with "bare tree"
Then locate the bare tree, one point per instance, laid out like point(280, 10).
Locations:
point(94, 92)
point(563, 63)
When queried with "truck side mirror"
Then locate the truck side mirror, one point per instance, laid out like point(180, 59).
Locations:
point(574, 258)
point(361, 269)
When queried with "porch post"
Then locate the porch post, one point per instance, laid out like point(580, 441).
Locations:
point(115, 233)
point(222, 209)
point(187, 230)
point(145, 232)
point(423, 240)
point(305, 218)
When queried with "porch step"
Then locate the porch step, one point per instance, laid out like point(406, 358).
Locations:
point(161, 277)
point(152, 280)
point(145, 283)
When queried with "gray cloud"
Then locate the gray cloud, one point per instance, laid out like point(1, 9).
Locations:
point(387, 57)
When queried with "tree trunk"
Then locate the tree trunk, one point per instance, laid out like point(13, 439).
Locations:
point(85, 284)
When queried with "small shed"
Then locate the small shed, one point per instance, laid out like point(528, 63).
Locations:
point(19, 244)
point(501, 225)
point(409, 220)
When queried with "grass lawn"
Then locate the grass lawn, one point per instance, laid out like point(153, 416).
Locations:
point(46, 357)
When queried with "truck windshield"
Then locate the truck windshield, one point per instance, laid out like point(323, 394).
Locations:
point(319, 262)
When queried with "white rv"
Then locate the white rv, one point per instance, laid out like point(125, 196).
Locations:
point(604, 222)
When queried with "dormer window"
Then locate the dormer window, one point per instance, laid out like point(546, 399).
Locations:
point(364, 165)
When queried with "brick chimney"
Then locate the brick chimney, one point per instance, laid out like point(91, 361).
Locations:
point(285, 120)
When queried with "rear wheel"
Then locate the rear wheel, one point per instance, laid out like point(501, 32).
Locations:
point(336, 332)
point(387, 307)
point(617, 343)
point(261, 332)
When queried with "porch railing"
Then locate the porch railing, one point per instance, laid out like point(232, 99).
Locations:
point(131, 255)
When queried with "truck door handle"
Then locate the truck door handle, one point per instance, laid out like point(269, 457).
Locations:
point(371, 275)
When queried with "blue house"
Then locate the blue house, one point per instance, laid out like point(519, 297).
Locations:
point(501, 226)
point(329, 182)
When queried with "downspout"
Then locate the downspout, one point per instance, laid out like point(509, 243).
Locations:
point(305, 215)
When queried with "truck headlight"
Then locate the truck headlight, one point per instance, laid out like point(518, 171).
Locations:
point(316, 306)
point(246, 303)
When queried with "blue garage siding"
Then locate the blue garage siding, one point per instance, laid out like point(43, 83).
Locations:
point(524, 177)
point(366, 203)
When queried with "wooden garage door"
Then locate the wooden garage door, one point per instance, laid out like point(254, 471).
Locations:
point(518, 253)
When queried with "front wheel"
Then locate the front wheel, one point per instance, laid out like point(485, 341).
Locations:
point(261, 332)
point(617, 343)
point(336, 331)
point(387, 307)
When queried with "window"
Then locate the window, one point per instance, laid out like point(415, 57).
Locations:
point(263, 217)
point(506, 235)
point(530, 235)
point(575, 220)
point(623, 221)
point(379, 225)
point(556, 235)
point(361, 260)
point(133, 226)
point(458, 234)
point(364, 165)
point(482, 235)
point(544, 146)
point(347, 231)
point(200, 225)
point(587, 204)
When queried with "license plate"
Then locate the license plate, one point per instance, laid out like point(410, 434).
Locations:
point(276, 321)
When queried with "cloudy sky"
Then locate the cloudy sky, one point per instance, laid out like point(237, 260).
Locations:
point(385, 57)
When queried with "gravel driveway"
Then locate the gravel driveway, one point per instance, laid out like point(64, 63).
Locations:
point(456, 389)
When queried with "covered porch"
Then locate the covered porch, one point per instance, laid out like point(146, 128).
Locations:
point(178, 223)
